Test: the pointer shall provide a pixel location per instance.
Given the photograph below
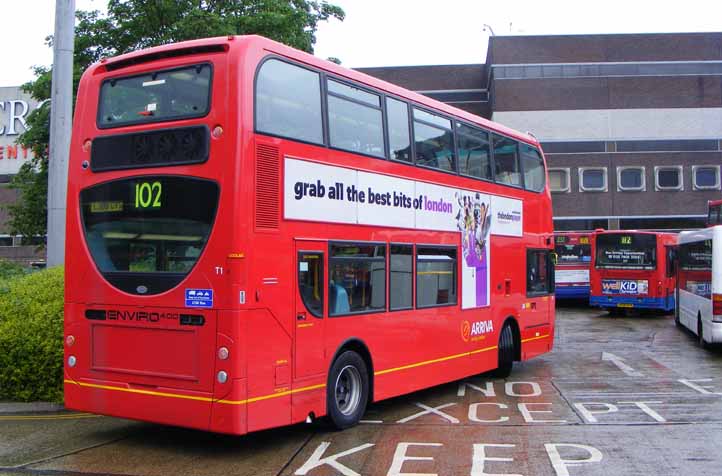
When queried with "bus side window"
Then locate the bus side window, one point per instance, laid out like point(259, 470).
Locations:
point(671, 261)
point(539, 272)
point(310, 279)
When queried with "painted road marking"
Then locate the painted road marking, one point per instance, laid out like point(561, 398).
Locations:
point(555, 451)
point(70, 416)
point(619, 362)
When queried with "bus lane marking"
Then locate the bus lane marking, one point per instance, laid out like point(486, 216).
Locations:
point(479, 458)
point(431, 410)
point(703, 389)
point(400, 456)
point(621, 365)
point(586, 410)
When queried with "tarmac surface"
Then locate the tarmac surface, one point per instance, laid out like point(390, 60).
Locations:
point(617, 396)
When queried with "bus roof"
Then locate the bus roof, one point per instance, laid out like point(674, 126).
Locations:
point(699, 235)
point(230, 43)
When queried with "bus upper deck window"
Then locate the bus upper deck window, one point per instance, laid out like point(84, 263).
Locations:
point(179, 93)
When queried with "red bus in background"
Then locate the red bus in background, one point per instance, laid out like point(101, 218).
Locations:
point(257, 237)
point(633, 269)
point(714, 212)
point(573, 258)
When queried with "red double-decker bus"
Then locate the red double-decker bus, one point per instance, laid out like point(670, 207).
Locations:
point(573, 259)
point(257, 237)
point(714, 212)
point(633, 269)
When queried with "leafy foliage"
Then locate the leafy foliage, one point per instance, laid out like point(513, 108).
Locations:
point(133, 24)
point(8, 270)
point(31, 337)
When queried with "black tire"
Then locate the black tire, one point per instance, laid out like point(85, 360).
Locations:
point(700, 333)
point(507, 349)
point(347, 390)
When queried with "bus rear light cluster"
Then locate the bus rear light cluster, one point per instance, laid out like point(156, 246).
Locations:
point(222, 377)
point(69, 341)
point(223, 353)
point(72, 361)
point(717, 307)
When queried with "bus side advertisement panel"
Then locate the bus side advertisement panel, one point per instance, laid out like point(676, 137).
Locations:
point(317, 192)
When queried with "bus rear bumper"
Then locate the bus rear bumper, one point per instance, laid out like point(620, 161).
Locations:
point(630, 302)
point(157, 405)
point(572, 292)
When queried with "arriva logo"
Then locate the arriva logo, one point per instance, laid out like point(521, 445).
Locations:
point(475, 331)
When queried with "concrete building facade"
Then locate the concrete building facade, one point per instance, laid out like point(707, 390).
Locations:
point(631, 125)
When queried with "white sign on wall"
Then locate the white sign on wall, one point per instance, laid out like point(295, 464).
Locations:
point(325, 193)
point(15, 106)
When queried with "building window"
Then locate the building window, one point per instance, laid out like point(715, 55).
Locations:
point(630, 179)
point(435, 276)
point(592, 179)
point(668, 178)
point(706, 177)
point(357, 273)
point(400, 276)
point(559, 180)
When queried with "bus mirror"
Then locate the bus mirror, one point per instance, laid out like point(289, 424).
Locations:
point(555, 258)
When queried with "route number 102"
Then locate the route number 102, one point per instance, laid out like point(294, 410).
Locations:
point(147, 195)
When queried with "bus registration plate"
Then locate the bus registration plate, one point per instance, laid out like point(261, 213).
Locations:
point(625, 304)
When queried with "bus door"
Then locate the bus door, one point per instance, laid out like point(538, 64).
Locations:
point(309, 310)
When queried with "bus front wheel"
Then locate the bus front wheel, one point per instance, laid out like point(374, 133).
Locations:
point(700, 334)
point(347, 390)
point(506, 352)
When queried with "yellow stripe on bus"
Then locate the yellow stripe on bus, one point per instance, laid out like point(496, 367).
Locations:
point(273, 395)
point(534, 338)
point(434, 272)
point(190, 397)
point(434, 361)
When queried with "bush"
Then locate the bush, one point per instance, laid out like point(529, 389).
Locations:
point(8, 270)
point(31, 337)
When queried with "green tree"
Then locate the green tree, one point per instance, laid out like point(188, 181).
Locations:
point(133, 24)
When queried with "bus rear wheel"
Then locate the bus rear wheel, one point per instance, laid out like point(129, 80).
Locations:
point(506, 352)
point(347, 390)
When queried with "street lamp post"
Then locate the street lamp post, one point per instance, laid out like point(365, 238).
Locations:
point(61, 120)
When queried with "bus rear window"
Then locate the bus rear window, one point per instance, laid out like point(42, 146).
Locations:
point(628, 251)
point(144, 233)
point(573, 254)
point(168, 95)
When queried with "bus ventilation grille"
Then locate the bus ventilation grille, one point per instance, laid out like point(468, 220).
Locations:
point(181, 146)
point(267, 165)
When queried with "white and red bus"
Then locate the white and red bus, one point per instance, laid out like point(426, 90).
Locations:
point(573, 258)
point(633, 269)
point(257, 237)
point(714, 212)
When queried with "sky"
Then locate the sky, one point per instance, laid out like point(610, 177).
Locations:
point(404, 32)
